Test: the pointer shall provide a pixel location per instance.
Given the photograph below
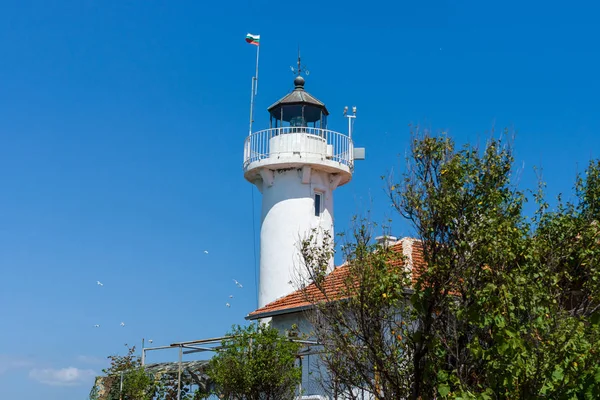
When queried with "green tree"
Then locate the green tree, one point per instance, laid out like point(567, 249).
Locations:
point(468, 217)
point(256, 363)
point(137, 383)
point(127, 379)
point(507, 308)
point(360, 324)
point(167, 388)
point(565, 267)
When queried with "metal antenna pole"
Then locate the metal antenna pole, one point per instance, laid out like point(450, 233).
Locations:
point(350, 120)
point(349, 126)
point(143, 353)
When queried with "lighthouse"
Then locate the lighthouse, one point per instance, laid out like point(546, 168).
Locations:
point(296, 164)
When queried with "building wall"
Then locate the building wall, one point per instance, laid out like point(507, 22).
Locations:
point(284, 322)
point(315, 380)
point(288, 217)
point(312, 369)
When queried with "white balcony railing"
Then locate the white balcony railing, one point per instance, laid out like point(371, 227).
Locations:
point(308, 144)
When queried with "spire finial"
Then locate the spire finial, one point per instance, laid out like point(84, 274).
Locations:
point(299, 62)
point(300, 68)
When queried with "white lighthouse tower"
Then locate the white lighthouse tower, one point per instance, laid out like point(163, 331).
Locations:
point(296, 164)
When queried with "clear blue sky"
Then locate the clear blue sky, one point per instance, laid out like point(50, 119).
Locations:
point(121, 139)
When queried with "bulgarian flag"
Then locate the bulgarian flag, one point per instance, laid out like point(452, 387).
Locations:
point(253, 39)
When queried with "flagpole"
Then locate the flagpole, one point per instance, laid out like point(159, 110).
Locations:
point(254, 91)
point(251, 107)
point(256, 84)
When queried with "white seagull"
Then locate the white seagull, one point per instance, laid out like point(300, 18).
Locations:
point(99, 283)
point(150, 341)
point(238, 284)
point(122, 323)
point(228, 305)
point(205, 251)
point(97, 326)
point(231, 296)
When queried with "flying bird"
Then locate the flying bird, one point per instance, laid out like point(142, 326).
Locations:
point(205, 251)
point(238, 284)
point(231, 296)
point(228, 305)
point(122, 323)
point(150, 341)
point(97, 326)
point(99, 283)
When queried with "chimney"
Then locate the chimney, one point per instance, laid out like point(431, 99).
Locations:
point(386, 241)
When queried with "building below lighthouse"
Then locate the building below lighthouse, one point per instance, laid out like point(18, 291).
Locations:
point(296, 164)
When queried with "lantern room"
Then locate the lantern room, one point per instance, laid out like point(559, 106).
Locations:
point(298, 109)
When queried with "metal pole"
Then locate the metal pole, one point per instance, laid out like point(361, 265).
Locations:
point(349, 126)
point(251, 107)
point(143, 353)
point(218, 339)
point(254, 91)
point(350, 118)
point(256, 85)
point(179, 377)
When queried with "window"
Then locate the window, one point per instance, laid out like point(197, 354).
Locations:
point(318, 204)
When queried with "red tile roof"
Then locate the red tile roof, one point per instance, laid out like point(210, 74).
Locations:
point(335, 282)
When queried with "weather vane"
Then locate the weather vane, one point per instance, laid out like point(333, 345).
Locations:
point(301, 68)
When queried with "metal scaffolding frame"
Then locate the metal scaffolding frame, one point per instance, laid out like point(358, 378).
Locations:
point(212, 345)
